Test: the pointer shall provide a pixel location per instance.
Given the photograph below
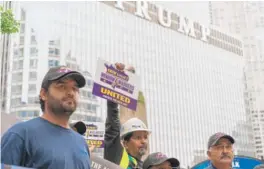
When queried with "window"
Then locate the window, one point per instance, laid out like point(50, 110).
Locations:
point(51, 51)
point(18, 65)
point(21, 52)
point(16, 89)
point(51, 42)
point(33, 39)
point(23, 15)
point(15, 52)
point(23, 114)
point(32, 75)
point(94, 108)
point(53, 63)
point(57, 51)
point(33, 63)
point(83, 93)
point(88, 106)
point(36, 113)
point(89, 82)
point(17, 77)
point(32, 88)
point(89, 95)
point(33, 51)
point(32, 100)
point(15, 101)
point(22, 28)
point(21, 40)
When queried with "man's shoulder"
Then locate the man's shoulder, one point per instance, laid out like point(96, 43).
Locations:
point(20, 127)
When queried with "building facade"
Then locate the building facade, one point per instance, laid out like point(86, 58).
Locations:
point(191, 75)
point(246, 19)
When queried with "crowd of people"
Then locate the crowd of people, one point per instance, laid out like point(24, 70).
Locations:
point(50, 142)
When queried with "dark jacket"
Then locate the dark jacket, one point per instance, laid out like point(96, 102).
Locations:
point(113, 149)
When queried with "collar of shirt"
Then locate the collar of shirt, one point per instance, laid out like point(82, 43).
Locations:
point(213, 167)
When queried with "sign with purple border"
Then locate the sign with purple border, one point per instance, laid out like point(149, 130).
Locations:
point(121, 87)
point(95, 134)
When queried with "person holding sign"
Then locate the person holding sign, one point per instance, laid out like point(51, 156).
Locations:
point(48, 141)
point(159, 160)
point(124, 147)
point(220, 151)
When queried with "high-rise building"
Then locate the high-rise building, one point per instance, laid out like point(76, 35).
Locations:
point(191, 75)
point(246, 19)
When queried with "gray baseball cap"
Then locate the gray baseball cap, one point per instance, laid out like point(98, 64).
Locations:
point(56, 73)
point(217, 136)
point(157, 159)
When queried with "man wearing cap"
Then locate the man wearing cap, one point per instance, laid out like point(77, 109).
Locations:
point(48, 141)
point(220, 151)
point(159, 160)
point(124, 147)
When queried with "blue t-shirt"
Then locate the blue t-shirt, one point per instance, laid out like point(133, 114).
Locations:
point(38, 143)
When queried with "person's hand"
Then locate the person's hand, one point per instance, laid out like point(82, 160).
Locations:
point(91, 148)
point(120, 66)
point(131, 69)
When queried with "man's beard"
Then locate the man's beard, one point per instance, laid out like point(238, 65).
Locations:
point(142, 151)
point(58, 108)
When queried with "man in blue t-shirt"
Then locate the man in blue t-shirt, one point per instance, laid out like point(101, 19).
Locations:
point(48, 141)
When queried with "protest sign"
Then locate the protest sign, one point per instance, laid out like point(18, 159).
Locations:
point(95, 134)
point(100, 163)
point(121, 87)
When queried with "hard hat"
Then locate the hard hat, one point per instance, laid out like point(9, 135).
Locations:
point(131, 125)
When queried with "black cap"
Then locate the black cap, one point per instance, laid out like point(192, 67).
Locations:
point(157, 159)
point(79, 126)
point(56, 73)
point(216, 137)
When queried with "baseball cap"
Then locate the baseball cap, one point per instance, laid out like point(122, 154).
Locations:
point(217, 136)
point(131, 125)
point(56, 73)
point(157, 159)
point(79, 126)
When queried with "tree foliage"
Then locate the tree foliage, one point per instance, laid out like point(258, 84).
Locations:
point(9, 24)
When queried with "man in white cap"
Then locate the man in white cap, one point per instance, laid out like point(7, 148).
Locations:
point(124, 147)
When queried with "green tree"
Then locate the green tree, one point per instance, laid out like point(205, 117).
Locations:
point(8, 22)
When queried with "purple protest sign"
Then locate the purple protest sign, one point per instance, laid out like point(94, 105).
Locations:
point(118, 86)
point(112, 95)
